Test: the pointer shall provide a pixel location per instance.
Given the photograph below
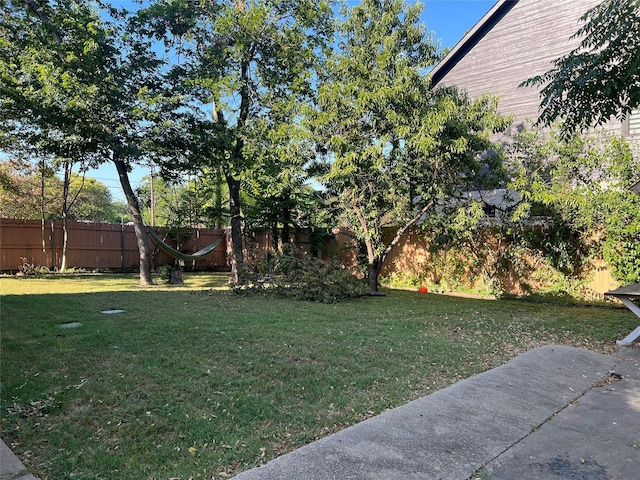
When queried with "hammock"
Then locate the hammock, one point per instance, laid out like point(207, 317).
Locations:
point(172, 252)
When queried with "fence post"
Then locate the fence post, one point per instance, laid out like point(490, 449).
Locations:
point(196, 247)
point(43, 234)
point(123, 252)
point(53, 246)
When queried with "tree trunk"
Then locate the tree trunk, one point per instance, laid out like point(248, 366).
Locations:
point(65, 215)
point(42, 215)
point(65, 242)
point(218, 198)
point(286, 219)
point(275, 238)
point(374, 263)
point(237, 255)
point(374, 273)
point(138, 225)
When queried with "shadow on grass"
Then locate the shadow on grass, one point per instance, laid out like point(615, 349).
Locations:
point(192, 381)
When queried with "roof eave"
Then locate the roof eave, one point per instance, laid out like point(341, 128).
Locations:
point(486, 23)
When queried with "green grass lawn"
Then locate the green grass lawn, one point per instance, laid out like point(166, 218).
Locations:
point(195, 382)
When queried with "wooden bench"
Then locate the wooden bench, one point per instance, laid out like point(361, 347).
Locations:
point(626, 295)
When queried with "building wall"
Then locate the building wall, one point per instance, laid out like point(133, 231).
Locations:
point(521, 45)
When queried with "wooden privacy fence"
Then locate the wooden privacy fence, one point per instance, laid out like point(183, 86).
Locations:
point(413, 258)
point(96, 246)
point(114, 247)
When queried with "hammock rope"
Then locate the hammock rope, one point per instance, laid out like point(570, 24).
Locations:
point(172, 252)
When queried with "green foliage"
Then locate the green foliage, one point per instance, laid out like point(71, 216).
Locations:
point(404, 279)
point(581, 188)
point(21, 190)
point(601, 77)
point(394, 147)
point(301, 277)
point(164, 272)
point(79, 85)
point(21, 194)
point(280, 197)
point(252, 65)
point(294, 208)
point(622, 253)
point(92, 201)
point(501, 259)
point(449, 268)
point(562, 248)
point(173, 206)
point(210, 193)
point(70, 83)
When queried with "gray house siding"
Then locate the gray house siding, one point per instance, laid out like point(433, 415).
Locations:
point(516, 40)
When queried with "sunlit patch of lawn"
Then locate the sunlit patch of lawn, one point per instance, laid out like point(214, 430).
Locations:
point(195, 382)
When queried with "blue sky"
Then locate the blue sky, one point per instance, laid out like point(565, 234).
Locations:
point(451, 19)
point(448, 19)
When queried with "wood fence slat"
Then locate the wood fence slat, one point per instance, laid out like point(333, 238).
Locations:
point(91, 246)
point(113, 246)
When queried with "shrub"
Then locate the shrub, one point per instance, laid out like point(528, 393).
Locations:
point(301, 277)
point(26, 268)
point(164, 272)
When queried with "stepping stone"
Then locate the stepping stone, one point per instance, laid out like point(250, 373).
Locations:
point(70, 325)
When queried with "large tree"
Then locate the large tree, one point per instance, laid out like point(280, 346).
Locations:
point(244, 65)
point(76, 85)
point(601, 77)
point(280, 197)
point(395, 147)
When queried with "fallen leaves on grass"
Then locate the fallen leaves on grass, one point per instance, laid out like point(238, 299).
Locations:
point(36, 408)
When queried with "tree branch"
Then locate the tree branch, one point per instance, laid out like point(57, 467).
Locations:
point(408, 225)
point(44, 18)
